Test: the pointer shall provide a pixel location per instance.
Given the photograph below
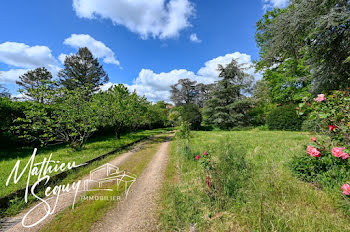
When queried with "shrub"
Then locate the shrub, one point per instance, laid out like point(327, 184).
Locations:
point(327, 170)
point(329, 165)
point(9, 111)
point(284, 118)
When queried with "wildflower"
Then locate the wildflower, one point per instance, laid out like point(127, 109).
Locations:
point(320, 98)
point(313, 151)
point(197, 157)
point(205, 153)
point(313, 139)
point(346, 189)
point(338, 152)
point(332, 127)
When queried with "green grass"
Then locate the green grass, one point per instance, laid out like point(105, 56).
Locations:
point(271, 199)
point(87, 212)
point(93, 148)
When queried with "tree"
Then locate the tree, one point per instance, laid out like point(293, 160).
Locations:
point(32, 81)
point(68, 118)
point(82, 70)
point(309, 42)
point(4, 92)
point(120, 109)
point(184, 92)
point(228, 105)
point(203, 93)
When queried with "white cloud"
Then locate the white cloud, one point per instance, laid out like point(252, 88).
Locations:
point(98, 49)
point(156, 18)
point(24, 56)
point(11, 76)
point(156, 86)
point(269, 4)
point(194, 38)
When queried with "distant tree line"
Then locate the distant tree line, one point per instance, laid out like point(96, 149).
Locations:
point(73, 108)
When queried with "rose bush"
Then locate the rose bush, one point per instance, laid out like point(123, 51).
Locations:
point(327, 163)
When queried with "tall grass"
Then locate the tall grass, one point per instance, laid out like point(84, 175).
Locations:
point(261, 192)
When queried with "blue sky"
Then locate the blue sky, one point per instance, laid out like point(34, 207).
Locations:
point(145, 44)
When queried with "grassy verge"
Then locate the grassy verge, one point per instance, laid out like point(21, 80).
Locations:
point(271, 198)
point(87, 212)
point(93, 148)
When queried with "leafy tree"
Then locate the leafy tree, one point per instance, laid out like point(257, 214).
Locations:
point(32, 81)
point(82, 70)
point(120, 109)
point(308, 39)
point(184, 92)
point(228, 105)
point(203, 93)
point(69, 118)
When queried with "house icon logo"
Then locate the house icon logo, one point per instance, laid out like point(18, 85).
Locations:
point(108, 173)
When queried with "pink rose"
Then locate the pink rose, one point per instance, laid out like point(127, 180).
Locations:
point(320, 98)
point(338, 152)
point(197, 157)
point(313, 151)
point(313, 139)
point(346, 189)
point(205, 153)
point(332, 127)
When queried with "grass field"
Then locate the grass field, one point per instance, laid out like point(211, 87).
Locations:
point(268, 197)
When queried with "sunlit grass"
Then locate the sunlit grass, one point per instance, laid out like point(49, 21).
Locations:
point(273, 199)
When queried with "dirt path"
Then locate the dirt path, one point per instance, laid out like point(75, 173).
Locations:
point(138, 211)
point(15, 223)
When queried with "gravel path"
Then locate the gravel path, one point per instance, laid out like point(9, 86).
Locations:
point(15, 223)
point(138, 212)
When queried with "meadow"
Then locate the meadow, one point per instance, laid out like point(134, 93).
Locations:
point(258, 190)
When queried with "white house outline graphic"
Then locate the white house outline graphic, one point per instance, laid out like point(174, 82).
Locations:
point(113, 174)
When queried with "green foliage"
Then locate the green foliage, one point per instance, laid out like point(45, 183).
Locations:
point(82, 70)
point(184, 131)
point(284, 118)
point(69, 118)
point(305, 36)
point(189, 113)
point(9, 111)
point(311, 125)
point(228, 106)
point(334, 110)
point(327, 170)
point(33, 82)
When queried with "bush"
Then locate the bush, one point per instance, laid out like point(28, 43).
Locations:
point(9, 111)
point(284, 118)
point(327, 170)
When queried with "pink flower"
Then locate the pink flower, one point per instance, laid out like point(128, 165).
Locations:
point(313, 151)
point(320, 98)
point(346, 189)
point(338, 152)
point(197, 157)
point(313, 139)
point(205, 153)
point(332, 127)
